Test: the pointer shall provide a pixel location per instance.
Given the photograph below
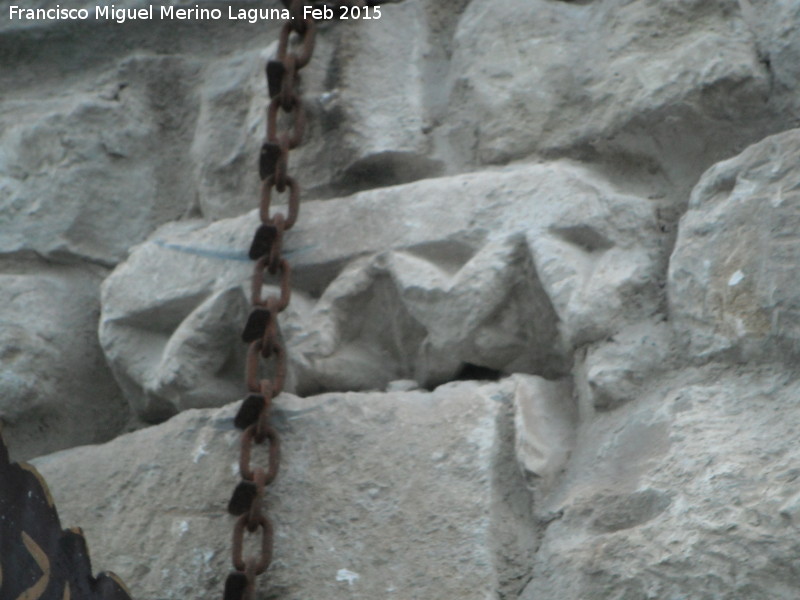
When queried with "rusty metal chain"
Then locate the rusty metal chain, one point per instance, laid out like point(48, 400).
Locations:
point(286, 124)
point(261, 331)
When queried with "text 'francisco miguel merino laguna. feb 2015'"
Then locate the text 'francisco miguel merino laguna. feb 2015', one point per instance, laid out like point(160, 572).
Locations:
point(109, 12)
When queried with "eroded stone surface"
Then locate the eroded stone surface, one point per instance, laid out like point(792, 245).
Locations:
point(732, 281)
point(545, 420)
point(669, 481)
point(652, 90)
point(618, 370)
point(55, 388)
point(379, 495)
point(535, 261)
point(689, 492)
point(77, 175)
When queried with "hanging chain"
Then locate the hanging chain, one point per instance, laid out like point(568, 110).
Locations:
point(261, 331)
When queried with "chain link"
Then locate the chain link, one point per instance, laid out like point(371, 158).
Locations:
point(262, 331)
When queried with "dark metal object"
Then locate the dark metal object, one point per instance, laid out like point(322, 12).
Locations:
point(262, 241)
point(242, 498)
point(275, 70)
point(262, 332)
point(257, 322)
point(268, 159)
point(38, 559)
point(235, 586)
point(249, 411)
point(251, 435)
point(266, 200)
point(262, 265)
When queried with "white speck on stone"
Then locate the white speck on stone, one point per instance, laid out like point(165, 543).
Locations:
point(200, 453)
point(327, 97)
point(348, 576)
point(740, 327)
point(235, 468)
point(735, 278)
point(180, 527)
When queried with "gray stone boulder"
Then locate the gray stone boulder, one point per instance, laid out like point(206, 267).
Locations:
point(228, 134)
point(507, 270)
point(369, 100)
point(733, 289)
point(407, 495)
point(77, 175)
point(619, 369)
point(171, 338)
point(654, 91)
point(56, 390)
point(690, 492)
point(545, 425)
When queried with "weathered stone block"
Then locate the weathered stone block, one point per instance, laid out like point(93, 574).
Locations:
point(56, 390)
point(508, 272)
point(733, 288)
point(379, 496)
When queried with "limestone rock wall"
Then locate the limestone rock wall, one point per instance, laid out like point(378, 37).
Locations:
point(592, 202)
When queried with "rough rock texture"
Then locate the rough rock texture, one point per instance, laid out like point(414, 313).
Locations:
point(653, 89)
point(593, 202)
point(511, 282)
point(449, 519)
point(733, 275)
point(618, 370)
point(55, 388)
point(688, 493)
point(545, 419)
point(77, 177)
